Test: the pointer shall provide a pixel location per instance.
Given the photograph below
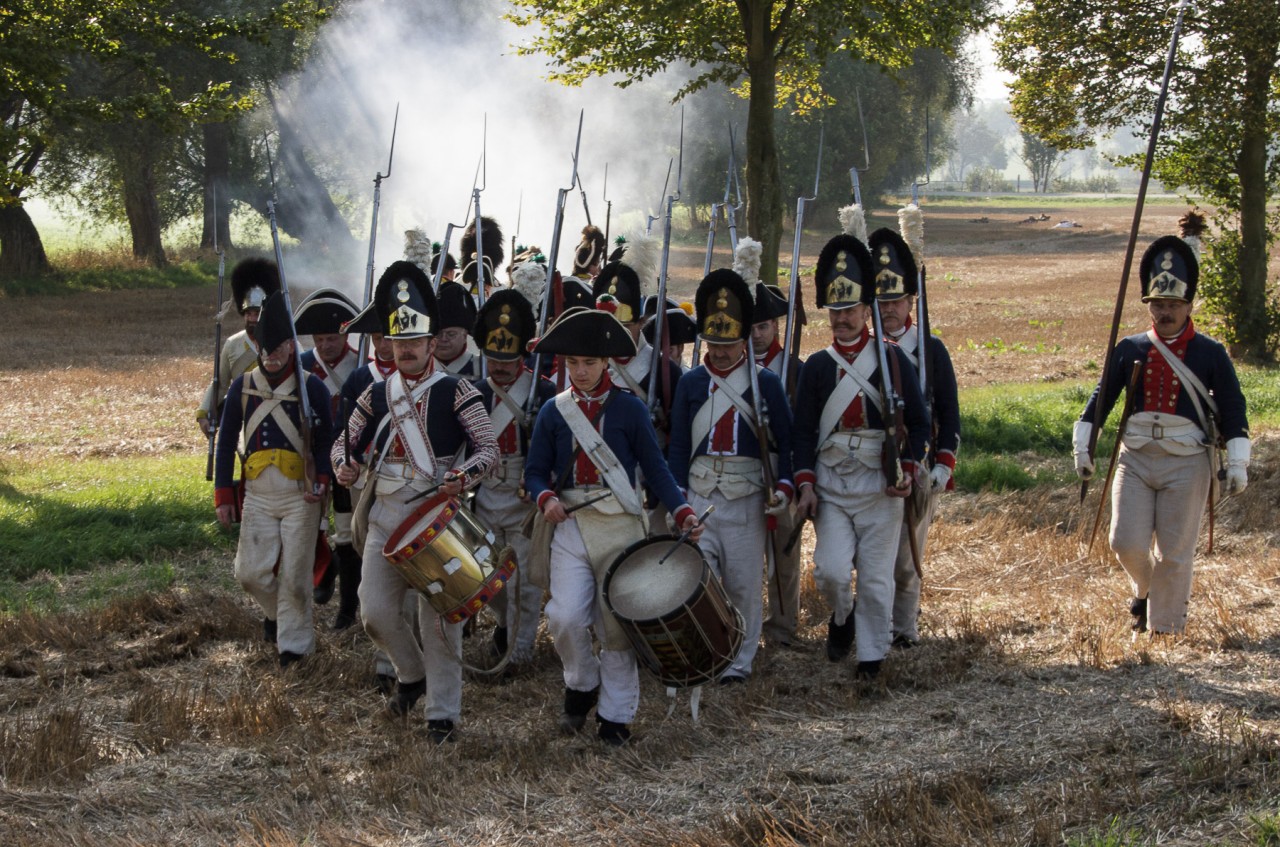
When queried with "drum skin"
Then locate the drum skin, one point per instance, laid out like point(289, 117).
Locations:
point(444, 552)
point(675, 612)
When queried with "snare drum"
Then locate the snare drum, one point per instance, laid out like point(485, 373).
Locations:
point(444, 552)
point(675, 613)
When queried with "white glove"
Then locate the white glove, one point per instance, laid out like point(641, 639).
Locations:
point(1080, 447)
point(781, 503)
point(1238, 453)
point(939, 477)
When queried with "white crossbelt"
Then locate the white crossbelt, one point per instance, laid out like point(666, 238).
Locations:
point(729, 390)
point(595, 448)
point(402, 405)
point(846, 390)
point(272, 406)
point(507, 409)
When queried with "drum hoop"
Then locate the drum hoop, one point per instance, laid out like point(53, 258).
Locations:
point(407, 550)
point(666, 540)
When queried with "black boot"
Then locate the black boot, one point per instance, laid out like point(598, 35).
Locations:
point(407, 696)
point(577, 705)
point(1138, 608)
point(868, 671)
point(348, 587)
point(499, 647)
point(839, 638)
point(440, 730)
point(323, 592)
point(612, 733)
point(269, 630)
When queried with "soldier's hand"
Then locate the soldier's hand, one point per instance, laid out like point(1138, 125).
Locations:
point(692, 526)
point(317, 493)
point(347, 473)
point(1239, 452)
point(938, 478)
point(553, 511)
point(1080, 433)
point(807, 505)
point(895, 491)
point(206, 426)
point(452, 484)
point(1084, 466)
point(226, 514)
point(778, 505)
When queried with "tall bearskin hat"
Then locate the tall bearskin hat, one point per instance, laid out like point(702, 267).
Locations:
point(493, 250)
point(724, 305)
point(587, 332)
point(274, 325)
point(1169, 270)
point(770, 303)
point(405, 303)
point(590, 250)
point(505, 325)
point(324, 312)
point(252, 281)
point(455, 306)
point(843, 277)
point(680, 328)
point(894, 265)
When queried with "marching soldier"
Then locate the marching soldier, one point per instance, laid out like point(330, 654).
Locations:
point(457, 319)
point(494, 252)
point(333, 360)
point(502, 332)
point(589, 255)
point(717, 456)
point(590, 439)
point(766, 344)
point(1183, 396)
point(426, 429)
point(679, 328)
point(840, 432)
point(252, 281)
point(282, 495)
point(897, 284)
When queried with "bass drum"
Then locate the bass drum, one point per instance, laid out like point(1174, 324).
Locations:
point(675, 612)
point(444, 552)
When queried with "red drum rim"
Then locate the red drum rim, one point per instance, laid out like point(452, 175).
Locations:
point(397, 550)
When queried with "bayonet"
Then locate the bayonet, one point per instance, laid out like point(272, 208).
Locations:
point(608, 207)
point(373, 232)
point(795, 305)
point(658, 370)
point(214, 418)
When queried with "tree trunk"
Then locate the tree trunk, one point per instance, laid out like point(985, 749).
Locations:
point(217, 192)
point(764, 179)
point(21, 250)
point(309, 210)
point(141, 206)
point(1254, 328)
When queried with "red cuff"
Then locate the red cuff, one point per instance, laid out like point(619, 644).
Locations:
point(945, 457)
point(224, 497)
point(909, 468)
point(322, 478)
point(805, 476)
point(787, 489)
point(682, 513)
point(544, 497)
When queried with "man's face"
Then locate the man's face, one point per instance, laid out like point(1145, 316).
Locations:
point(1169, 316)
point(279, 358)
point(585, 371)
point(251, 320)
point(847, 324)
point(329, 345)
point(503, 371)
point(724, 356)
point(635, 328)
point(381, 346)
point(894, 313)
point(412, 354)
point(762, 335)
point(450, 343)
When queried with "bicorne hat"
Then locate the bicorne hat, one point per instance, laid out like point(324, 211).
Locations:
point(274, 325)
point(324, 312)
point(770, 303)
point(587, 332)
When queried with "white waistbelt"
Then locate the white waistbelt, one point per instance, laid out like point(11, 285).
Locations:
point(1157, 431)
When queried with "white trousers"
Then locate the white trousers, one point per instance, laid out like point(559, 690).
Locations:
point(906, 582)
point(575, 607)
point(502, 513)
point(857, 527)
point(733, 543)
point(1157, 503)
point(278, 526)
point(382, 596)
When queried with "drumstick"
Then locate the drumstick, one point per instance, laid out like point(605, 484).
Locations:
point(596, 499)
point(793, 537)
point(684, 536)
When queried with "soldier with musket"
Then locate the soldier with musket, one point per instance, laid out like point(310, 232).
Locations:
point(457, 319)
point(286, 477)
point(897, 283)
point(1182, 399)
point(852, 465)
point(428, 430)
point(588, 443)
point(502, 332)
point(252, 281)
point(333, 360)
point(721, 411)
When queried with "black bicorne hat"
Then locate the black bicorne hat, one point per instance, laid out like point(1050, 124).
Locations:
point(651, 305)
point(770, 303)
point(590, 249)
point(1169, 270)
point(587, 332)
point(724, 307)
point(576, 293)
point(494, 251)
point(405, 302)
point(450, 263)
point(843, 277)
point(274, 325)
point(894, 265)
point(324, 312)
point(252, 281)
point(617, 290)
point(455, 306)
point(505, 325)
point(680, 327)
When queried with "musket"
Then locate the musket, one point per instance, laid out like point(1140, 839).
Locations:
point(519, 216)
point(711, 245)
point(761, 409)
point(304, 400)
point(731, 211)
point(608, 206)
point(892, 404)
point(659, 365)
point(373, 232)
point(480, 185)
point(795, 304)
point(437, 272)
point(649, 219)
point(547, 293)
point(922, 301)
point(1130, 397)
point(586, 210)
point(214, 419)
point(1133, 234)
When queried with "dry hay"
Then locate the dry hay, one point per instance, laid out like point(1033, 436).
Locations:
point(1028, 715)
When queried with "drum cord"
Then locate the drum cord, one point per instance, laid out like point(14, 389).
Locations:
point(506, 656)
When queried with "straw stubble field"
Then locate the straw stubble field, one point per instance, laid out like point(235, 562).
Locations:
point(1028, 715)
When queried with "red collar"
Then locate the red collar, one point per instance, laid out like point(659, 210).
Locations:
point(1182, 337)
point(706, 361)
point(345, 350)
point(854, 347)
point(602, 388)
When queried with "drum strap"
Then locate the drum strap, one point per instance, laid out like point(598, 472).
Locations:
point(598, 451)
point(271, 406)
point(409, 426)
point(859, 374)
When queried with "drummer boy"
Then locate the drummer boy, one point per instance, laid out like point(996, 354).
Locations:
point(429, 432)
point(586, 441)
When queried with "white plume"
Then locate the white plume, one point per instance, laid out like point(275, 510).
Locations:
point(417, 249)
point(746, 261)
point(530, 279)
point(854, 222)
point(911, 226)
point(644, 252)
